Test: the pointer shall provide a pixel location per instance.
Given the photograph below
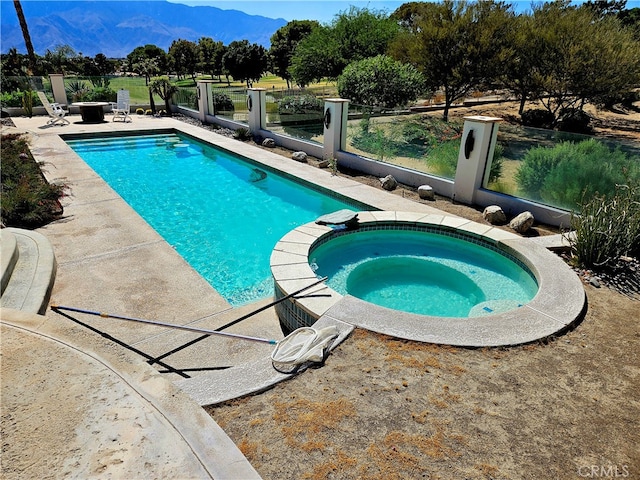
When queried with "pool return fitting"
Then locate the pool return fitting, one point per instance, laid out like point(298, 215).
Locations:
point(304, 345)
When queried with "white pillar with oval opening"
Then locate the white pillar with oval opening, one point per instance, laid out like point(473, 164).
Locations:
point(257, 107)
point(336, 114)
point(479, 137)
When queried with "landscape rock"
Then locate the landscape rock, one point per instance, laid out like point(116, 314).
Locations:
point(389, 183)
point(299, 156)
point(494, 215)
point(426, 192)
point(269, 142)
point(522, 222)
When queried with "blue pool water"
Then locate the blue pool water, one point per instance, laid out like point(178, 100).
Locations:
point(222, 214)
point(423, 273)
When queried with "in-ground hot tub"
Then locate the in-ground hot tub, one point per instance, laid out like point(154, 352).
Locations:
point(431, 278)
point(422, 269)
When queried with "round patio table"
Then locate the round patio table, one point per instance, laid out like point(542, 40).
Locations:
point(91, 112)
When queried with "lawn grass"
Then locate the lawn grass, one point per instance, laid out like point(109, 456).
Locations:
point(139, 92)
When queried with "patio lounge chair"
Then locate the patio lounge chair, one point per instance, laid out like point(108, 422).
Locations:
point(54, 110)
point(121, 108)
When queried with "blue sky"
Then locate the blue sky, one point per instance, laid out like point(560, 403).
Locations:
point(323, 11)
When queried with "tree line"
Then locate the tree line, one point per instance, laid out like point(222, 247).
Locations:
point(558, 54)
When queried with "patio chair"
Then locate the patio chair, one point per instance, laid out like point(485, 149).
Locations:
point(121, 108)
point(54, 110)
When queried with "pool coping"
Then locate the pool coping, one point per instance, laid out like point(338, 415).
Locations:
point(559, 303)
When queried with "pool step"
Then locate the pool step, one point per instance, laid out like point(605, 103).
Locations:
point(106, 144)
point(28, 270)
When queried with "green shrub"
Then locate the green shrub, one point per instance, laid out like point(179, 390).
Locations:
point(100, 94)
point(443, 159)
point(381, 81)
point(495, 172)
point(607, 228)
point(222, 103)
point(300, 104)
point(28, 200)
point(564, 174)
point(11, 99)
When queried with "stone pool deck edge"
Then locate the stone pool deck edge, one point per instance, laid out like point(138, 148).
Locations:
point(559, 303)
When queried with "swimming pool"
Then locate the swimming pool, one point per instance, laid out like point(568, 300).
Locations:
point(423, 272)
point(222, 213)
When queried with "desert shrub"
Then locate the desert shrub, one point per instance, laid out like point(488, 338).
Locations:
point(77, 89)
point(28, 200)
point(222, 102)
point(100, 94)
point(607, 228)
point(495, 172)
point(564, 174)
point(27, 102)
point(242, 134)
point(431, 131)
point(100, 82)
point(375, 140)
point(300, 104)
point(537, 118)
point(574, 120)
point(443, 159)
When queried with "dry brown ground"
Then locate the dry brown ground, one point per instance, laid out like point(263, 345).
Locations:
point(381, 408)
point(384, 408)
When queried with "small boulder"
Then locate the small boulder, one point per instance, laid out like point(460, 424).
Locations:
point(494, 215)
point(389, 183)
point(269, 142)
point(299, 156)
point(522, 222)
point(425, 192)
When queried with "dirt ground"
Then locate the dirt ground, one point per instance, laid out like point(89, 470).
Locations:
point(567, 407)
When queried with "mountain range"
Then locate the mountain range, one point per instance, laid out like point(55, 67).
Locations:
point(116, 28)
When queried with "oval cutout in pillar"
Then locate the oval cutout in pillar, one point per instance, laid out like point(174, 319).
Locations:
point(327, 118)
point(468, 144)
point(249, 102)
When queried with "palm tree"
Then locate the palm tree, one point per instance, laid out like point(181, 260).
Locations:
point(27, 38)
